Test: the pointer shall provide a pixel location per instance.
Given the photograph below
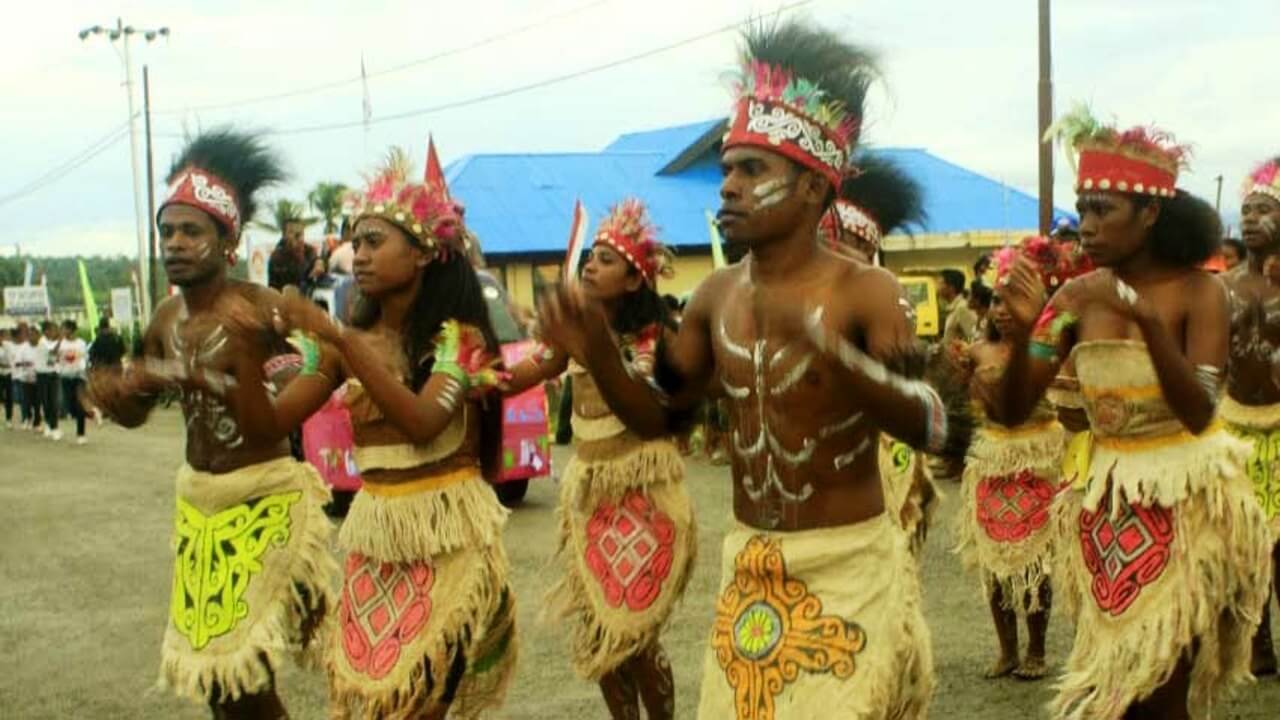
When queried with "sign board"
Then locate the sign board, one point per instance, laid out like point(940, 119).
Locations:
point(328, 442)
point(526, 452)
point(122, 306)
point(258, 257)
point(26, 300)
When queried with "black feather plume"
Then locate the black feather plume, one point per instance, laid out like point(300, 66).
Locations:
point(886, 192)
point(239, 157)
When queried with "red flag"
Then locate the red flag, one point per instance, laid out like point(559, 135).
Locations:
point(435, 173)
point(577, 242)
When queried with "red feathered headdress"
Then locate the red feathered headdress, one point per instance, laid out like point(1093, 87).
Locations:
point(422, 210)
point(627, 229)
point(1140, 160)
point(1265, 180)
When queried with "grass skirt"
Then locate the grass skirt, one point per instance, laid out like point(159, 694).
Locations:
point(1259, 425)
point(251, 563)
point(418, 608)
point(818, 623)
point(910, 496)
point(1005, 528)
point(627, 544)
point(1166, 546)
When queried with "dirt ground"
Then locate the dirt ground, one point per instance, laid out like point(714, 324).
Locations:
point(84, 587)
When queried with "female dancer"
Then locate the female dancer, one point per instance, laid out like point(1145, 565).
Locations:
point(1011, 476)
point(627, 533)
point(426, 616)
point(1165, 565)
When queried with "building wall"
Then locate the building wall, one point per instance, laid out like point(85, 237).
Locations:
point(903, 255)
point(518, 277)
point(930, 253)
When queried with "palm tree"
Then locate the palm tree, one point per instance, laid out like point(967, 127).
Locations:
point(326, 199)
point(284, 212)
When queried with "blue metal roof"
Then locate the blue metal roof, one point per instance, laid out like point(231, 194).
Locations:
point(668, 142)
point(523, 203)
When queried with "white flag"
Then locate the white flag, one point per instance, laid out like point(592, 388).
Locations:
point(364, 82)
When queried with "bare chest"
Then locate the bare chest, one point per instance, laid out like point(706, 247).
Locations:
point(1255, 320)
point(793, 429)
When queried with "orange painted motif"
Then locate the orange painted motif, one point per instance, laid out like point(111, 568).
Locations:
point(769, 628)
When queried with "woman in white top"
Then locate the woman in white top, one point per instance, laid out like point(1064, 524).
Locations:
point(71, 362)
point(47, 379)
point(22, 358)
point(6, 375)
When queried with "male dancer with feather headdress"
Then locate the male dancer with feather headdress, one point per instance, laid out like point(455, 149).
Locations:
point(252, 567)
point(1251, 407)
point(793, 636)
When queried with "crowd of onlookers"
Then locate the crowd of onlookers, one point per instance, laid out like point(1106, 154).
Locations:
point(43, 369)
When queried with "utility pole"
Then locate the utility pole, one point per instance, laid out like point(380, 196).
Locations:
point(1046, 118)
point(154, 286)
point(1217, 204)
point(124, 33)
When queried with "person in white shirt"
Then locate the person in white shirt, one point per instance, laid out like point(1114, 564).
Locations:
point(47, 379)
point(6, 375)
point(72, 363)
point(22, 355)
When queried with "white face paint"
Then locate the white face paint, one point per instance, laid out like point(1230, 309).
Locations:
point(1268, 226)
point(206, 249)
point(771, 193)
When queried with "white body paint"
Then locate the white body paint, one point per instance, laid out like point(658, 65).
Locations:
point(771, 193)
point(856, 360)
point(201, 406)
point(769, 490)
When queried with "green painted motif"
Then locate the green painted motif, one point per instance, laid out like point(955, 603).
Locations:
point(1263, 466)
point(900, 453)
point(216, 558)
point(758, 630)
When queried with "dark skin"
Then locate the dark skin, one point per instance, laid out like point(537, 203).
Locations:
point(189, 346)
point(773, 207)
point(388, 268)
point(607, 278)
point(1255, 337)
point(993, 355)
point(1231, 256)
point(1180, 314)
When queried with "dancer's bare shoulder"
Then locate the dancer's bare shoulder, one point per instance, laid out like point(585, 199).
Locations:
point(713, 292)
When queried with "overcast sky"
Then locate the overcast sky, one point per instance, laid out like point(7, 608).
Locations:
point(960, 81)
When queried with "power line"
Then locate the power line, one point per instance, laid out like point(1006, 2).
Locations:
point(309, 90)
point(63, 169)
point(524, 88)
point(4, 200)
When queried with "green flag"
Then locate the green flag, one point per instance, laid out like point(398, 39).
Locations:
point(717, 250)
point(90, 307)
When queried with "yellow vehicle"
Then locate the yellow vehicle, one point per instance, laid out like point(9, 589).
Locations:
point(922, 292)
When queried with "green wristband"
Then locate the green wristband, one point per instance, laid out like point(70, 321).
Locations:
point(453, 370)
point(1043, 351)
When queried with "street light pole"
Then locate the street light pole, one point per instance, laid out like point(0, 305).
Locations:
point(154, 286)
point(123, 33)
point(1045, 108)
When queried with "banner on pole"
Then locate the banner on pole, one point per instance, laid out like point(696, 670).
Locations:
point(90, 305)
point(717, 246)
point(577, 243)
point(122, 306)
point(26, 300)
